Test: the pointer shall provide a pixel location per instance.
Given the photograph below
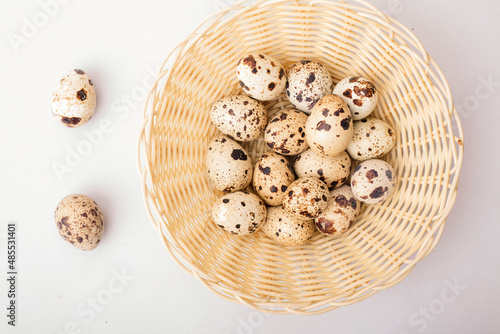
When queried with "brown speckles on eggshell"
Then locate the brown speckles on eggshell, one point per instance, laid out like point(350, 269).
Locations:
point(282, 73)
point(339, 111)
point(322, 125)
point(71, 120)
point(250, 61)
point(264, 170)
point(378, 192)
point(326, 226)
point(357, 102)
point(348, 93)
point(346, 123)
point(371, 174)
point(310, 78)
point(242, 84)
point(367, 91)
point(81, 95)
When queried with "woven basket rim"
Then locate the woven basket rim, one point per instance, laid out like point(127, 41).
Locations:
point(148, 188)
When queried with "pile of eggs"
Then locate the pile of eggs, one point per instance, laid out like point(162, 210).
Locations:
point(300, 185)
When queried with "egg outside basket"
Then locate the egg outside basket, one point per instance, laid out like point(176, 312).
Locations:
point(348, 37)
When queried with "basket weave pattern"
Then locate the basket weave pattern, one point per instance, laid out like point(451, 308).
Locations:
point(349, 38)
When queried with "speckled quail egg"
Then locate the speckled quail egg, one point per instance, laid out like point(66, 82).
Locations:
point(285, 132)
point(372, 138)
point(329, 127)
point(228, 165)
point(239, 117)
point(341, 212)
point(261, 76)
point(373, 181)
point(239, 213)
point(334, 171)
point(360, 94)
point(74, 99)
point(306, 198)
point(271, 177)
point(286, 229)
point(307, 82)
point(79, 221)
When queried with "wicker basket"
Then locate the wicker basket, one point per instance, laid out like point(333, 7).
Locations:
point(388, 240)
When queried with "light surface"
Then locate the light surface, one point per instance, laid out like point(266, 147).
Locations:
point(120, 44)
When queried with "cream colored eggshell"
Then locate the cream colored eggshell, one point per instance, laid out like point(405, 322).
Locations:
point(74, 99)
point(271, 177)
point(285, 132)
point(334, 171)
point(261, 76)
point(329, 128)
point(229, 166)
point(239, 117)
point(239, 213)
point(306, 198)
point(373, 181)
point(341, 212)
point(79, 221)
point(307, 82)
point(360, 94)
point(286, 229)
point(372, 138)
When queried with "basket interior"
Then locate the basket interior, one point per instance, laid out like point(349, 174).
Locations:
point(327, 272)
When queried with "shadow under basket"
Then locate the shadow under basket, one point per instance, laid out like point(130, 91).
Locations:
point(382, 247)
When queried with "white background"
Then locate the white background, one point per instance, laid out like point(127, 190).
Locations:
point(119, 43)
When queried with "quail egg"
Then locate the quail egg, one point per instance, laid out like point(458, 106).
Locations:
point(286, 229)
point(307, 82)
point(285, 132)
point(373, 181)
point(239, 213)
point(341, 212)
point(79, 221)
point(74, 99)
point(360, 94)
point(372, 138)
point(229, 166)
point(306, 198)
point(261, 76)
point(329, 127)
point(334, 171)
point(271, 177)
point(239, 117)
